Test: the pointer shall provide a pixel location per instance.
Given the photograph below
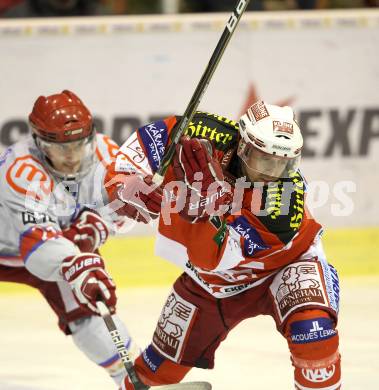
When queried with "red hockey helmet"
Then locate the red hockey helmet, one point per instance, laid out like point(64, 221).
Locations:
point(64, 133)
point(61, 118)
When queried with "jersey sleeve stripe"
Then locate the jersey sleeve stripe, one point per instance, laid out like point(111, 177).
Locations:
point(33, 238)
point(11, 261)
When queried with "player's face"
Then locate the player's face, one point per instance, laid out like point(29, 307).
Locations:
point(68, 157)
point(260, 166)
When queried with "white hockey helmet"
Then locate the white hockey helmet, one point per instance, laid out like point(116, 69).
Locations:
point(271, 141)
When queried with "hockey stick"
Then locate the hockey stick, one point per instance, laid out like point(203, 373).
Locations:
point(128, 364)
point(120, 345)
point(200, 89)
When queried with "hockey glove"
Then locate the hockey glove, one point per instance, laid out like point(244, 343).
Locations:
point(88, 232)
point(89, 281)
point(195, 163)
point(141, 198)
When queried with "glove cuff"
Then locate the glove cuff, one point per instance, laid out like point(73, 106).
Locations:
point(73, 266)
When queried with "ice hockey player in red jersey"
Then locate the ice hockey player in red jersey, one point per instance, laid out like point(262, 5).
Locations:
point(234, 218)
point(51, 231)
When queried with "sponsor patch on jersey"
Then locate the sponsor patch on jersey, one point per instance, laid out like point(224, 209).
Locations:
point(298, 285)
point(205, 127)
point(36, 218)
point(152, 359)
point(309, 331)
point(133, 149)
point(154, 137)
point(332, 285)
point(173, 327)
point(335, 295)
point(27, 176)
point(319, 375)
point(123, 164)
point(253, 242)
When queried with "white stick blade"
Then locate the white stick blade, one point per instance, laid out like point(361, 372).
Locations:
point(187, 386)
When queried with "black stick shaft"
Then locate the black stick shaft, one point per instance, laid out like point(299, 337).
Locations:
point(200, 89)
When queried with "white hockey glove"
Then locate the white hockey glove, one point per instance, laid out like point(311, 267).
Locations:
point(89, 281)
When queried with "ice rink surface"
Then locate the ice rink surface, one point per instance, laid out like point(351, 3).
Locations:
point(35, 355)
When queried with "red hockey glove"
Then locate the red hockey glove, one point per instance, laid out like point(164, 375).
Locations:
point(89, 281)
point(141, 197)
point(88, 232)
point(196, 165)
point(196, 155)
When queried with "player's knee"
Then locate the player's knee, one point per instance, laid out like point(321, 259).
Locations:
point(154, 369)
point(313, 342)
point(311, 335)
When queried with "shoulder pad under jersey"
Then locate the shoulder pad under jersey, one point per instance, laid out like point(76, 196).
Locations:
point(24, 175)
point(221, 131)
point(106, 149)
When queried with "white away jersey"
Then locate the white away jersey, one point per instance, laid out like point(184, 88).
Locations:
point(35, 206)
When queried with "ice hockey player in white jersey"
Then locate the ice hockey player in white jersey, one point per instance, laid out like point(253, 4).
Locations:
point(50, 186)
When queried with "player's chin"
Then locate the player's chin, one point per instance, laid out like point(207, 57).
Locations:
point(269, 179)
point(265, 178)
point(70, 168)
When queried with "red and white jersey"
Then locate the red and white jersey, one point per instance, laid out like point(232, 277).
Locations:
point(229, 254)
point(35, 206)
